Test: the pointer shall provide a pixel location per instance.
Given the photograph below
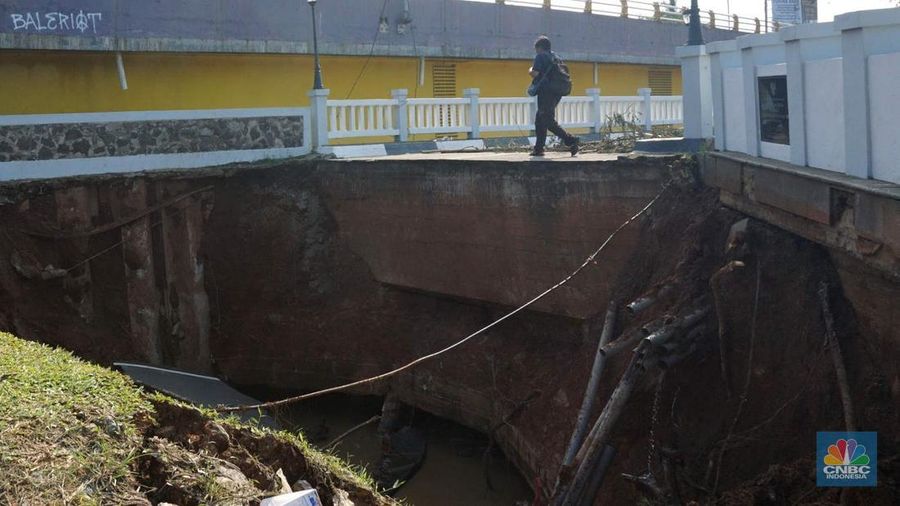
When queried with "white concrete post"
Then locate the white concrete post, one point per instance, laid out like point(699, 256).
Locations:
point(856, 105)
point(646, 108)
point(532, 113)
point(596, 109)
point(751, 110)
point(796, 100)
point(718, 97)
point(318, 104)
point(401, 114)
point(697, 94)
point(474, 119)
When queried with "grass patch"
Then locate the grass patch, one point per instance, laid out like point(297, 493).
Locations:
point(66, 430)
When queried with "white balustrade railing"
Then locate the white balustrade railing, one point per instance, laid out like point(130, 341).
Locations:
point(666, 110)
point(506, 114)
point(400, 117)
point(659, 11)
point(361, 118)
point(630, 108)
point(576, 112)
point(438, 115)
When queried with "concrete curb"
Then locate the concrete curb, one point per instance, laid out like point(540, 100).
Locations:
point(441, 146)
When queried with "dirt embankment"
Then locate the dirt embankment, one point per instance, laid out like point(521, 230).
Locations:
point(292, 304)
point(75, 433)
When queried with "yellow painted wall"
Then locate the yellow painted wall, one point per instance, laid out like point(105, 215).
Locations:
point(59, 82)
point(677, 83)
point(44, 82)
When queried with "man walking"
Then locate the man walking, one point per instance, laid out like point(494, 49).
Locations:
point(545, 72)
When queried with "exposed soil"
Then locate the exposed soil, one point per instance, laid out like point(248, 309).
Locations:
point(791, 390)
point(185, 449)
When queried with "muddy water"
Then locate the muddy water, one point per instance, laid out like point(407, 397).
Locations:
point(454, 469)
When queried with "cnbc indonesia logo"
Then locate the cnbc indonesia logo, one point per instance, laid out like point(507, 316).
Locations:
point(844, 461)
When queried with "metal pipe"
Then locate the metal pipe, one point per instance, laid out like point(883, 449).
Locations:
point(590, 393)
point(120, 67)
point(317, 80)
point(599, 472)
point(661, 337)
point(695, 34)
point(645, 301)
point(421, 71)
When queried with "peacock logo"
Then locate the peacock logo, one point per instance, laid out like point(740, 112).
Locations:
point(846, 452)
point(847, 459)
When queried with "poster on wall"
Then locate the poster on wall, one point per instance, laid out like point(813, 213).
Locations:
point(787, 12)
point(773, 110)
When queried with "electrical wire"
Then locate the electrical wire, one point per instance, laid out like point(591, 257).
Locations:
point(371, 51)
point(590, 259)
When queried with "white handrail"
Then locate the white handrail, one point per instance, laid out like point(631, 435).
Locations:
point(361, 118)
point(438, 115)
point(666, 110)
point(506, 114)
point(400, 117)
point(658, 11)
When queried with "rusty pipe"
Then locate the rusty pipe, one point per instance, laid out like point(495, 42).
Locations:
point(645, 301)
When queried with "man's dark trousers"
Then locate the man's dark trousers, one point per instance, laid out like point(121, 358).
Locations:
point(545, 119)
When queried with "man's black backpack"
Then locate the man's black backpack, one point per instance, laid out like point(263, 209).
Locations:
point(559, 81)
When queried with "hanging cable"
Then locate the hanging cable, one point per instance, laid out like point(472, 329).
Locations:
point(371, 51)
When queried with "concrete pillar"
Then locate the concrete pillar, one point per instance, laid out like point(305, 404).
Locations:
point(856, 105)
point(401, 114)
point(472, 94)
point(751, 112)
point(646, 108)
point(596, 109)
point(796, 100)
point(697, 95)
point(318, 103)
point(718, 98)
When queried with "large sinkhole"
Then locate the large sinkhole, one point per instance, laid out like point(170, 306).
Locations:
point(304, 275)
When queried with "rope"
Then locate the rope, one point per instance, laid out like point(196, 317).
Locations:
point(588, 261)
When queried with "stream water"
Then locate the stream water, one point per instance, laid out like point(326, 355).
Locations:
point(454, 471)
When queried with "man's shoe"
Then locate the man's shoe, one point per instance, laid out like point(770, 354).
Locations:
point(536, 152)
point(573, 148)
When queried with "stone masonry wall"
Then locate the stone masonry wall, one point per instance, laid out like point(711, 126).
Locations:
point(88, 140)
